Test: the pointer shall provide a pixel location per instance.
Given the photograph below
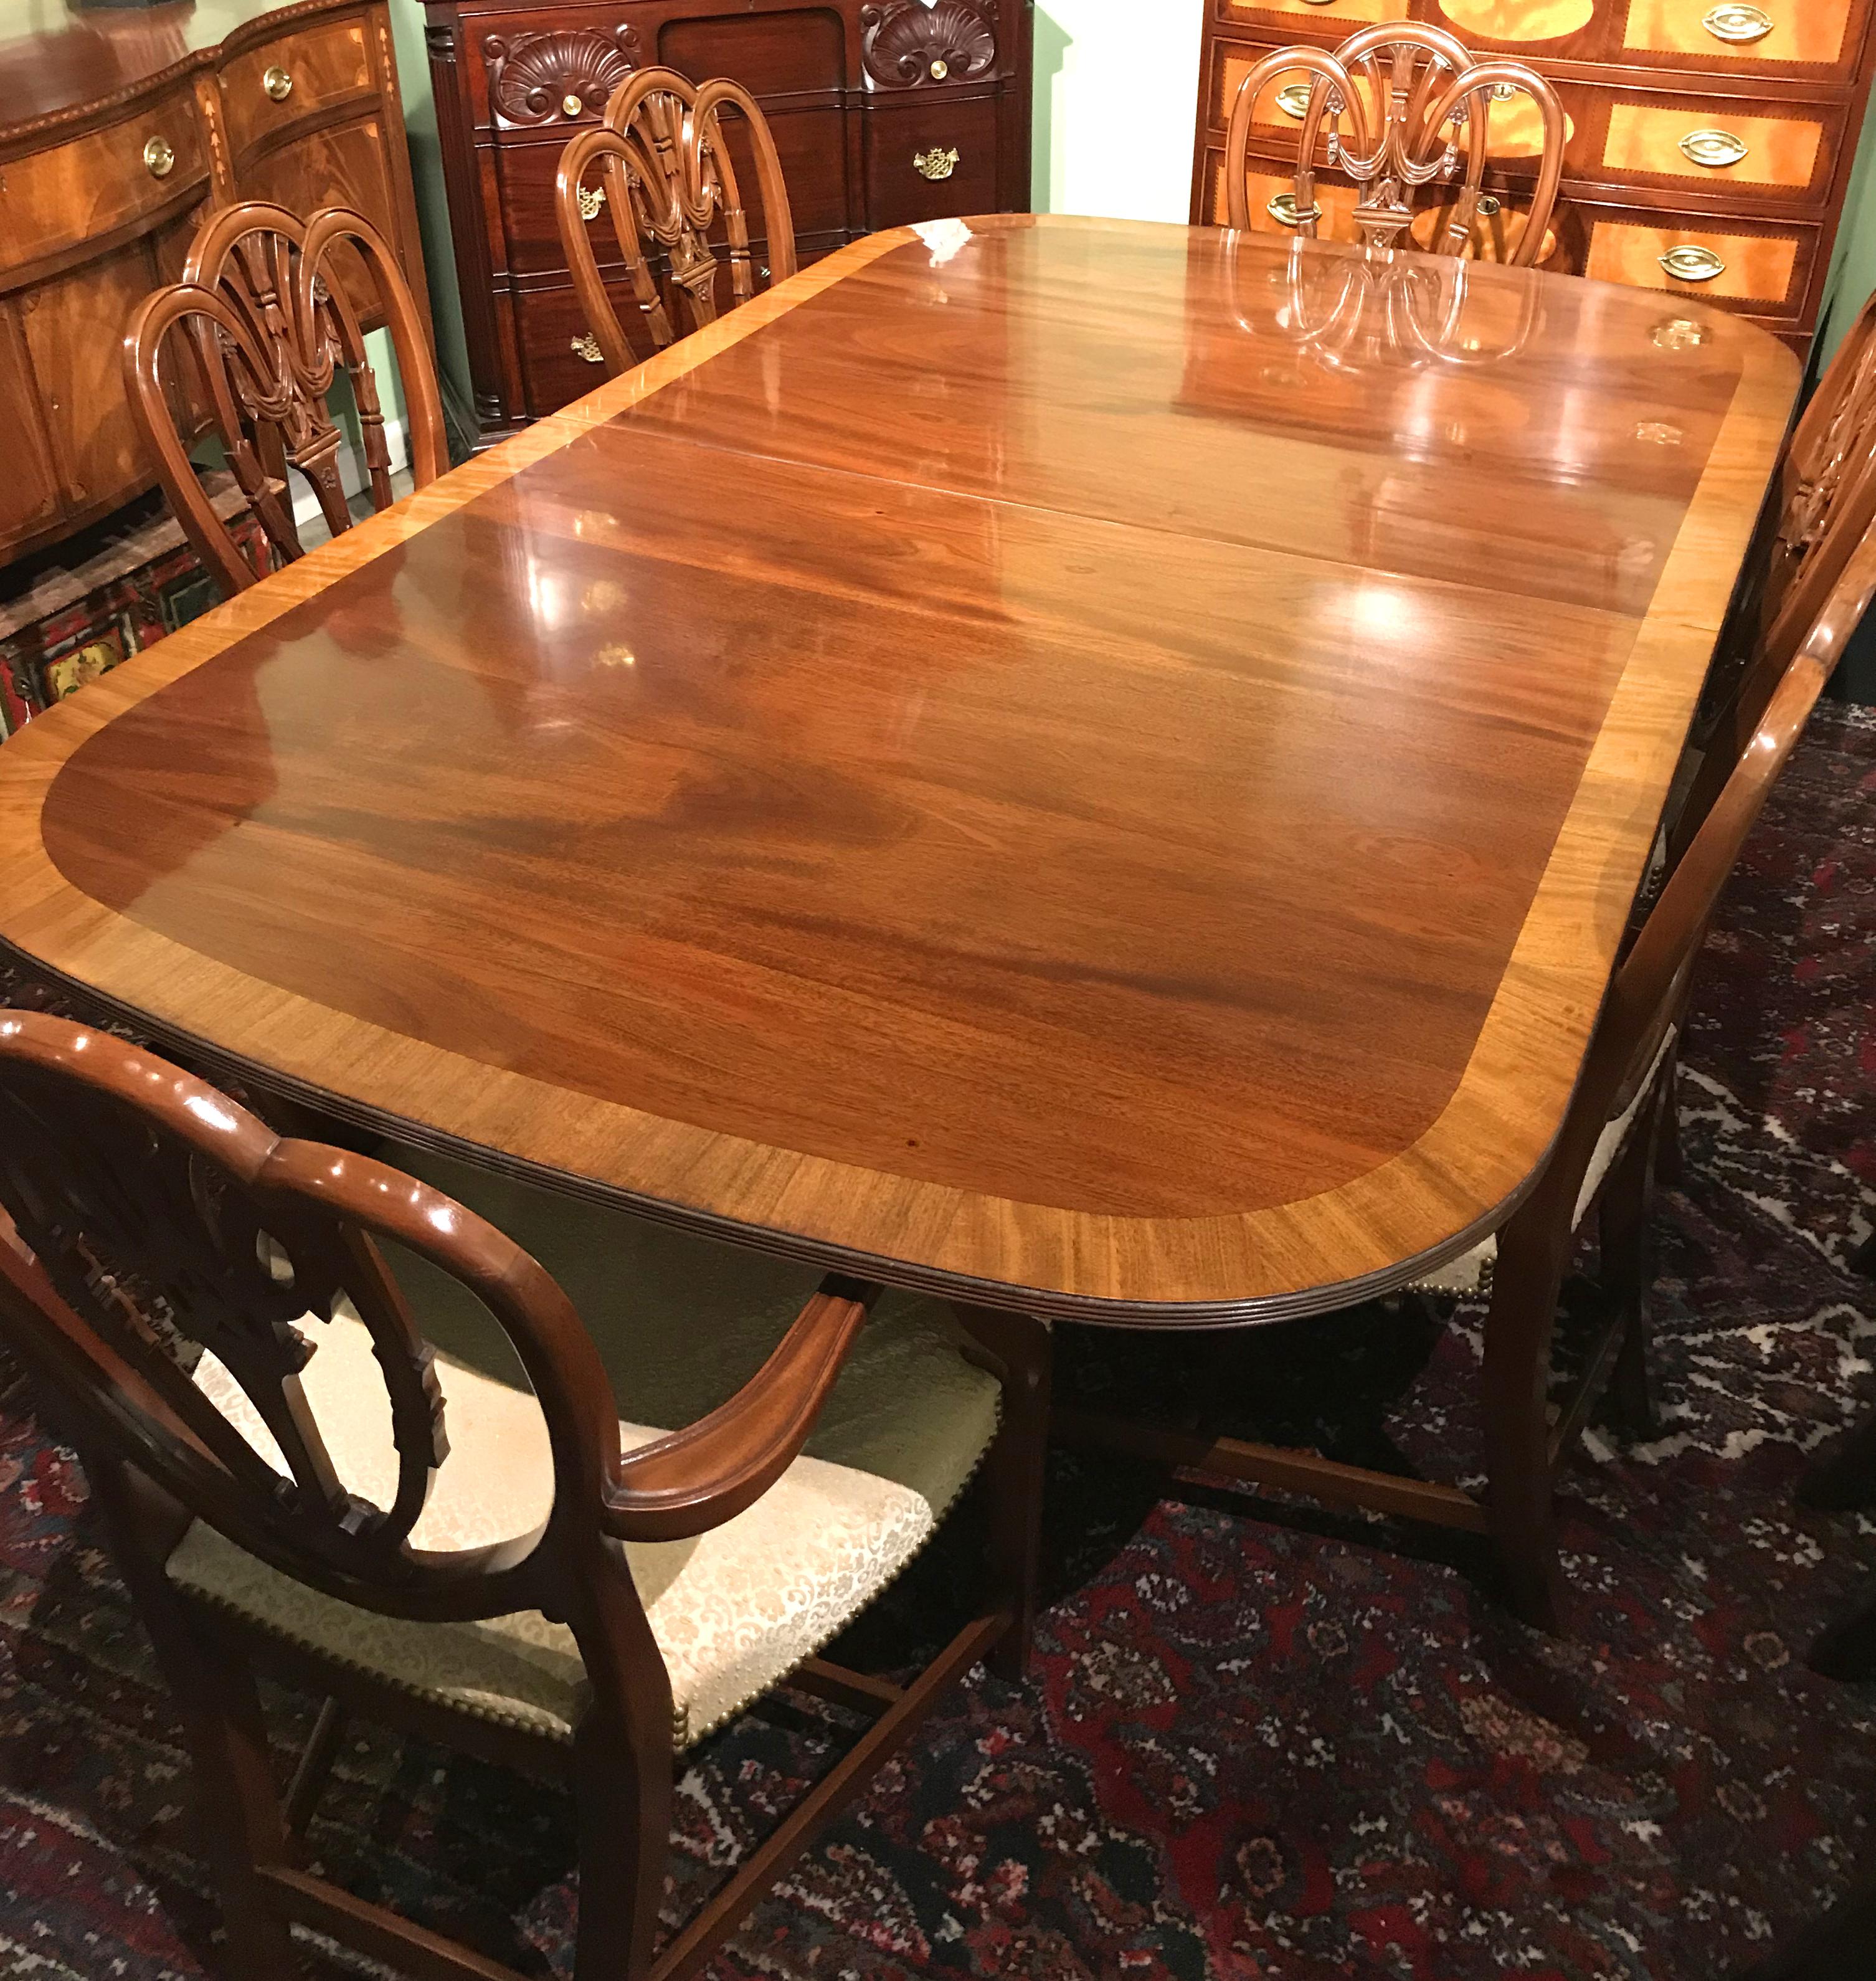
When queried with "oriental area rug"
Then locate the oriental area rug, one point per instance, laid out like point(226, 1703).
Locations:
point(1261, 1740)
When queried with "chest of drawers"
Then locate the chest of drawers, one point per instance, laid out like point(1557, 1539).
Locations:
point(1710, 141)
point(884, 111)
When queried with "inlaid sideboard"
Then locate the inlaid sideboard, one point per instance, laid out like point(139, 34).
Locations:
point(1710, 146)
point(884, 111)
point(120, 128)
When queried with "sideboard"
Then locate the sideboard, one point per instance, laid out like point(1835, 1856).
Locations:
point(117, 129)
point(884, 111)
point(1710, 143)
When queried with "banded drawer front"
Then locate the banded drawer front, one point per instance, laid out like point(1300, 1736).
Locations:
point(1767, 270)
point(1768, 33)
point(268, 91)
point(1293, 14)
point(1516, 125)
point(54, 199)
point(1495, 234)
point(1710, 144)
point(1515, 20)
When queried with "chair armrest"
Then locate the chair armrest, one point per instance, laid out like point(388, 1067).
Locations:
point(697, 1478)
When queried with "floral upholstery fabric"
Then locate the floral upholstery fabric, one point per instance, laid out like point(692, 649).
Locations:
point(681, 1325)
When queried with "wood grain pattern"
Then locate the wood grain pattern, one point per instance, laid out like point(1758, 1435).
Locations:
point(986, 761)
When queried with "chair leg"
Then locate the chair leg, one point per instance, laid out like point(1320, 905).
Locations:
point(624, 1829)
point(1024, 1349)
point(214, 1690)
point(1625, 1220)
point(1525, 1284)
point(1670, 1154)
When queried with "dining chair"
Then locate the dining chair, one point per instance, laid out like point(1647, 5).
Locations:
point(248, 344)
point(1395, 106)
point(667, 178)
point(1601, 1165)
point(233, 1329)
point(1822, 501)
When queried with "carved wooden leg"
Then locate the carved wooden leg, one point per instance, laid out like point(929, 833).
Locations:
point(1023, 1349)
point(1525, 1284)
point(214, 1690)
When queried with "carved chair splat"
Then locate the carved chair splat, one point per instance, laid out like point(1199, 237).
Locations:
point(260, 327)
point(669, 179)
point(178, 1273)
point(1399, 104)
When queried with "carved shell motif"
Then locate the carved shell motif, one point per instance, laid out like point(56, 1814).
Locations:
point(908, 42)
point(559, 74)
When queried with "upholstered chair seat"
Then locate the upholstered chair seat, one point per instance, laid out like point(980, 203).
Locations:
point(681, 1324)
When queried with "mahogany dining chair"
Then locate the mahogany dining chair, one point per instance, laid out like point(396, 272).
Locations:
point(667, 179)
point(259, 327)
point(239, 1332)
point(1392, 110)
point(1601, 1164)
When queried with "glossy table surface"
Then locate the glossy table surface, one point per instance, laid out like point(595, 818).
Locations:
point(1090, 765)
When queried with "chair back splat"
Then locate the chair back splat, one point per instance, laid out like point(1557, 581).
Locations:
point(667, 179)
point(210, 1312)
point(1396, 108)
point(248, 344)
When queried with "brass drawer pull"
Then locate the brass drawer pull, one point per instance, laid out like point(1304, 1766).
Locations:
point(1689, 264)
point(1733, 23)
point(591, 199)
point(159, 158)
point(1293, 100)
point(587, 347)
point(1713, 148)
point(571, 105)
point(278, 83)
point(1282, 209)
point(938, 163)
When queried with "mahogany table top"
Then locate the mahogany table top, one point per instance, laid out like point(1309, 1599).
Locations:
point(1086, 765)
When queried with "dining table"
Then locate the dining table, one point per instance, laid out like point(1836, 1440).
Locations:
point(1094, 768)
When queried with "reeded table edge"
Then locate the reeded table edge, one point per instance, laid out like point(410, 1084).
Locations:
point(1376, 1233)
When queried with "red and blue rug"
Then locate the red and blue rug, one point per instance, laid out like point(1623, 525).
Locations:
point(1261, 1741)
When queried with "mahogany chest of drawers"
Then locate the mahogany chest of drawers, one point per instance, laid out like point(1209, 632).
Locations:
point(884, 111)
point(118, 129)
point(1710, 141)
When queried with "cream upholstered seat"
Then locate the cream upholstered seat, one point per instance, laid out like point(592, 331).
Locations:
point(1471, 1272)
point(681, 1324)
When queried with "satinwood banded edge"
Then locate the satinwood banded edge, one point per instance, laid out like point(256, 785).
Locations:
point(1461, 1177)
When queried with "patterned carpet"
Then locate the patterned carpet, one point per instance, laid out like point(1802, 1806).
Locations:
point(1257, 1744)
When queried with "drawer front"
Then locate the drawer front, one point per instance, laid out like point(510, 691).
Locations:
point(811, 144)
point(266, 90)
point(933, 158)
point(52, 200)
point(1293, 14)
point(559, 361)
point(346, 164)
point(1764, 268)
point(1768, 150)
point(1538, 25)
point(1516, 125)
point(1772, 36)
